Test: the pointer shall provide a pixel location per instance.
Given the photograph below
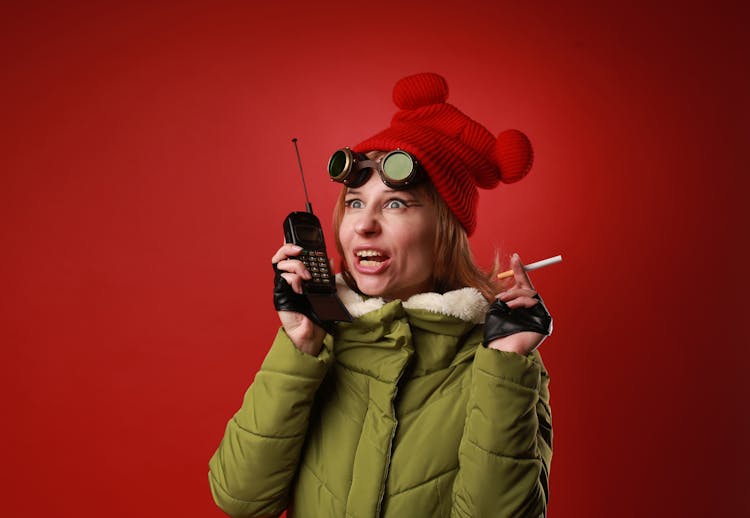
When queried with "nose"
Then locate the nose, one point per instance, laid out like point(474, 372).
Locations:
point(368, 223)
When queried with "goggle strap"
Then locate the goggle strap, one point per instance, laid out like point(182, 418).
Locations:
point(367, 164)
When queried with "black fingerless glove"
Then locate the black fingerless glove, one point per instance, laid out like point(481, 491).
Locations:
point(286, 299)
point(502, 321)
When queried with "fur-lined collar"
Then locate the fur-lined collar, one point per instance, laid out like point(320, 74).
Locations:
point(467, 304)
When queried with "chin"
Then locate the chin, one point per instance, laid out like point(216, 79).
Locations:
point(369, 288)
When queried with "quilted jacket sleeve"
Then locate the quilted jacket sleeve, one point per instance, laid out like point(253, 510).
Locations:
point(251, 472)
point(506, 448)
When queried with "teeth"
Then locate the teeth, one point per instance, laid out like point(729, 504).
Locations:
point(370, 258)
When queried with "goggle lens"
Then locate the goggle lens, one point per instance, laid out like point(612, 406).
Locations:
point(398, 166)
point(339, 164)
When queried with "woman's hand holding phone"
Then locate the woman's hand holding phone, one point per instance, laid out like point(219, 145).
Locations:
point(294, 310)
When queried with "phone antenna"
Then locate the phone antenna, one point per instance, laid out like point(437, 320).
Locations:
point(308, 206)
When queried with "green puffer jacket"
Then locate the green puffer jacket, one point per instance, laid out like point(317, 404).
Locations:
point(403, 414)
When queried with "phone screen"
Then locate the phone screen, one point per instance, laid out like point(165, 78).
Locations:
point(309, 234)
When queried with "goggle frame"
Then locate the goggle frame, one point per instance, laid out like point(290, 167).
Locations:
point(357, 167)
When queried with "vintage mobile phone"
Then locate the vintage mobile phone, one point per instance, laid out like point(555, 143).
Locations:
point(303, 229)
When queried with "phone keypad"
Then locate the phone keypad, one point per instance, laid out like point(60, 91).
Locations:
point(316, 263)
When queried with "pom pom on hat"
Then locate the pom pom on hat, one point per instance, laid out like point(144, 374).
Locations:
point(514, 155)
point(419, 90)
point(458, 153)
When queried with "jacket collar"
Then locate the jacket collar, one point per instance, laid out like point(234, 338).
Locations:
point(466, 304)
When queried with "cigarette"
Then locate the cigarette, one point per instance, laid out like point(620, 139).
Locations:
point(532, 266)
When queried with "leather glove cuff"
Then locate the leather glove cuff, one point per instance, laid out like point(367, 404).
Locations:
point(286, 299)
point(502, 321)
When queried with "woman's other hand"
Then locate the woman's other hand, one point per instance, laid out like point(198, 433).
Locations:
point(519, 322)
point(307, 336)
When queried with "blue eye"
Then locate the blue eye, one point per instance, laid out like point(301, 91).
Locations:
point(396, 204)
point(354, 204)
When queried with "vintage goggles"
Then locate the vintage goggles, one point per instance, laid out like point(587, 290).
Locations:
point(397, 169)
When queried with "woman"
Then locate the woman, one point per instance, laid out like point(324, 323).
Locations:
point(433, 400)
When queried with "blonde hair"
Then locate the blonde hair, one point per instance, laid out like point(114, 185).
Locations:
point(454, 265)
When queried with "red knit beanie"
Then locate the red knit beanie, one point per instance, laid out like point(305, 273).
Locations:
point(458, 153)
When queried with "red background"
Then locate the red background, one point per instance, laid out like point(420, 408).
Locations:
point(146, 168)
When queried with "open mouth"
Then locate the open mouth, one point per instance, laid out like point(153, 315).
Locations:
point(370, 258)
